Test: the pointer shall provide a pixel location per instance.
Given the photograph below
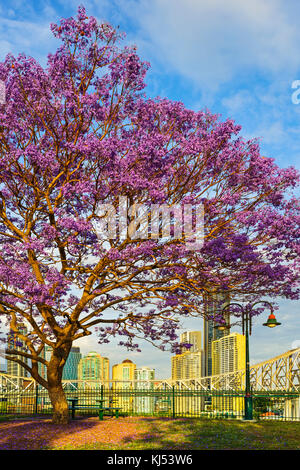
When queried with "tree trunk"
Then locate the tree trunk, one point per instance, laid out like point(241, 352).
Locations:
point(59, 403)
point(55, 389)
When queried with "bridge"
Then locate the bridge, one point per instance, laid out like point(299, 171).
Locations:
point(281, 373)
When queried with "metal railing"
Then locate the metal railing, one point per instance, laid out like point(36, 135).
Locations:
point(169, 402)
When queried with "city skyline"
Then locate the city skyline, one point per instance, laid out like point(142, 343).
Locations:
point(93, 366)
point(265, 343)
point(161, 361)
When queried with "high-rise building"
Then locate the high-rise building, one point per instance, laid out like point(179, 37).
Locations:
point(144, 383)
point(214, 303)
point(70, 371)
point(187, 365)
point(123, 381)
point(228, 354)
point(124, 371)
point(45, 354)
point(144, 374)
point(93, 367)
point(191, 337)
point(14, 342)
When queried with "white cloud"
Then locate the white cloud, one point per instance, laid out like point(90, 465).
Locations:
point(265, 111)
point(34, 39)
point(239, 101)
point(211, 42)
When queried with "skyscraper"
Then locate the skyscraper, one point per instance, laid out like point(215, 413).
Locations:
point(93, 367)
point(214, 302)
point(144, 382)
point(14, 342)
point(70, 371)
point(124, 371)
point(143, 374)
point(45, 354)
point(228, 354)
point(188, 364)
point(191, 337)
point(123, 381)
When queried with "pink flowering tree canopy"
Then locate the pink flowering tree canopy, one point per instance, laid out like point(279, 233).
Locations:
point(79, 136)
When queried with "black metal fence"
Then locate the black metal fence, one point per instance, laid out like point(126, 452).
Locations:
point(171, 402)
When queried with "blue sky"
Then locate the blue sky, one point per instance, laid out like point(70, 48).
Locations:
point(237, 58)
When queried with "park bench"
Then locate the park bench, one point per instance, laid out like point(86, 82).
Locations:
point(100, 408)
point(112, 409)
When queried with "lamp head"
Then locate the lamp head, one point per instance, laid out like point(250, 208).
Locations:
point(222, 326)
point(271, 322)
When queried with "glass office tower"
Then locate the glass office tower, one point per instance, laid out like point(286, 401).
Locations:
point(214, 302)
point(70, 371)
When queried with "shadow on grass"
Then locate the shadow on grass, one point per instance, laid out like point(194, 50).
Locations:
point(38, 433)
point(177, 434)
point(208, 434)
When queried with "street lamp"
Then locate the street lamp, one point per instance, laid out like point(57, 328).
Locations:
point(271, 322)
point(247, 327)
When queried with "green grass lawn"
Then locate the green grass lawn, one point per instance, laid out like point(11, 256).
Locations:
point(207, 434)
point(4, 418)
point(9, 417)
point(148, 433)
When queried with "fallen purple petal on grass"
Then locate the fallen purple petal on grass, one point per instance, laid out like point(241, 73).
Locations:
point(38, 434)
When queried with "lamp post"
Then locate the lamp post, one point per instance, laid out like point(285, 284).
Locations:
point(247, 328)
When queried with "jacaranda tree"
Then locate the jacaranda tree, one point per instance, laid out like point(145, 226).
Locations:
point(83, 151)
